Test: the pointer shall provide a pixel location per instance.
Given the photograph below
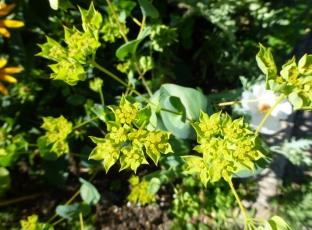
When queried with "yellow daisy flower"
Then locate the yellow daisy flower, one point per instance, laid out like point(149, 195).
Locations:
point(5, 10)
point(4, 75)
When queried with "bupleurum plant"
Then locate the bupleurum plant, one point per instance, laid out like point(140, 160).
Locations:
point(127, 141)
point(226, 146)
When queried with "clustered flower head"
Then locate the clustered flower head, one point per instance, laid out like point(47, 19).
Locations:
point(258, 102)
point(294, 81)
point(228, 146)
point(57, 131)
point(7, 23)
point(5, 75)
point(72, 60)
point(139, 192)
point(127, 142)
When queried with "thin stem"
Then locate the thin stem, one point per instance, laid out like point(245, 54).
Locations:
point(141, 75)
point(123, 34)
point(77, 155)
point(81, 221)
point(238, 201)
point(86, 122)
point(102, 97)
point(16, 200)
point(251, 100)
point(70, 200)
point(142, 26)
point(278, 100)
point(136, 21)
point(96, 65)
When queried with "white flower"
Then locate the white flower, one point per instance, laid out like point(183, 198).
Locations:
point(264, 99)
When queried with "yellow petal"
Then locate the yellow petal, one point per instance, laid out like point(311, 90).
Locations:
point(11, 70)
point(11, 23)
point(3, 62)
point(6, 9)
point(5, 32)
point(8, 78)
point(3, 89)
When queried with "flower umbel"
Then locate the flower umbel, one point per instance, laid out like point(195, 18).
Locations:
point(262, 101)
point(227, 146)
point(6, 23)
point(5, 75)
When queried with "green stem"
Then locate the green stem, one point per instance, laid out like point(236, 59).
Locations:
point(81, 221)
point(86, 122)
point(278, 100)
point(70, 200)
point(142, 26)
point(117, 20)
point(141, 75)
point(239, 201)
point(102, 97)
point(96, 65)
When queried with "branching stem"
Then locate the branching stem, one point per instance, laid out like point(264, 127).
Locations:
point(278, 100)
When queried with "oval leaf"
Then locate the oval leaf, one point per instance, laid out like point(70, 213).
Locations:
point(130, 47)
point(72, 211)
point(88, 192)
point(148, 9)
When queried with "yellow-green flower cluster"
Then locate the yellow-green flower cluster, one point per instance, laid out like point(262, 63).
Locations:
point(139, 192)
point(72, 61)
point(111, 30)
point(57, 132)
point(294, 81)
point(227, 147)
point(127, 141)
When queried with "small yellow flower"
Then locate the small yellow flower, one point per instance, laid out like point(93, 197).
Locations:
point(4, 10)
point(4, 75)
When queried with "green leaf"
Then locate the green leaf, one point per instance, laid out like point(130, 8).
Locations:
point(131, 47)
point(165, 176)
point(144, 116)
point(181, 100)
point(295, 100)
point(88, 192)
point(5, 180)
point(72, 211)
point(259, 166)
point(154, 185)
point(148, 9)
point(55, 171)
point(54, 4)
point(65, 4)
point(45, 150)
point(76, 99)
point(91, 18)
point(85, 152)
point(277, 223)
point(266, 63)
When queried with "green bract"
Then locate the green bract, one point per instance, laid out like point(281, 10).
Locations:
point(126, 142)
point(226, 146)
point(73, 60)
point(295, 81)
point(91, 18)
point(57, 132)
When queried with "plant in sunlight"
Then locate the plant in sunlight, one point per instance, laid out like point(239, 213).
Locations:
point(8, 23)
point(144, 118)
